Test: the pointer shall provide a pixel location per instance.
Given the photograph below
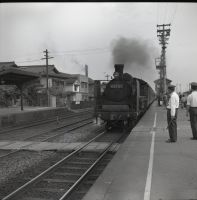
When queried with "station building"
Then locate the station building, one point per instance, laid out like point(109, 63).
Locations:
point(64, 89)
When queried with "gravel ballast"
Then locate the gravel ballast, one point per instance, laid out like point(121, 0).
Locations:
point(13, 167)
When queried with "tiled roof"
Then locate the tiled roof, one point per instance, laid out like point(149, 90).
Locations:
point(158, 80)
point(41, 69)
point(18, 71)
point(91, 81)
point(16, 76)
point(7, 65)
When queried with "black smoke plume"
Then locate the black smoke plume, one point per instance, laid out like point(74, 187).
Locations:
point(132, 52)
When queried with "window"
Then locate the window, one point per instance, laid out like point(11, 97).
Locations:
point(84, 85)
point(75, 88)
point(56, 82)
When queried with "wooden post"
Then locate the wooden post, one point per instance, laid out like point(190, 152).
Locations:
point(21, 94)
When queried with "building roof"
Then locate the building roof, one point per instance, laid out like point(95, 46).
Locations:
point(90, 81)
point(78, 75)
point(15, 76)
point(6, 65)
point(158, 80)
point(41, 69)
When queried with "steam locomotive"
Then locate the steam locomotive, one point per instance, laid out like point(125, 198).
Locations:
point(123, 100)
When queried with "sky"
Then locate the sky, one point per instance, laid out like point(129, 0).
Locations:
point(100, 35)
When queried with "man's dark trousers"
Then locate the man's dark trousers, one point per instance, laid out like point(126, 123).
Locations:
point(193, 121)
point(172, 125)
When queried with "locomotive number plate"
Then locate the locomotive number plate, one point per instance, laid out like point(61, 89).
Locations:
point(116, 86)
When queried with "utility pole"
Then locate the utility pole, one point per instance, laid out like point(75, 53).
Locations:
point(107, 76)
point(163, 33)
point(86, 70)
point(46, 57)
point(158, 67)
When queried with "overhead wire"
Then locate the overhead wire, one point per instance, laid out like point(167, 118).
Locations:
point(157, 13)
point(163, 17)
point(170, 14)
point(70, 53)
point(81, 51)
point(28, 61)
point(166, 13)
point(163, 13)
point(175, 11)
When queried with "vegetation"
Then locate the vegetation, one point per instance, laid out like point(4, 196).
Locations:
point(8, 95)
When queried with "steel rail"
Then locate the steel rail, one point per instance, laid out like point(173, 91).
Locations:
point(15, 151)
point(70, 190)
point(49, 169)
point(40, 122)
point(58, 128)
point(54, 129)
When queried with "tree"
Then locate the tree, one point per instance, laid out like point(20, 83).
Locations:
point(8, 94)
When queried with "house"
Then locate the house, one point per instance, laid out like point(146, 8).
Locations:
point(56, 84)
point(78, 85)
point(62, 87)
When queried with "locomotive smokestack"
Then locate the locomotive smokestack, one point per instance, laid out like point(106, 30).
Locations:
point(119, 68)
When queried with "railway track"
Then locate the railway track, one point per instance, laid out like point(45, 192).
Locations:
point(50, 135)
point(23, 134)
point(63, 179)
point(57, 119)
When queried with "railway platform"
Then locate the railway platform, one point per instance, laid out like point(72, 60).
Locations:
point(147, 168)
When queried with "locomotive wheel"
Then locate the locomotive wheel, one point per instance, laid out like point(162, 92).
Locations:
point(131, 124)
point(107, 126)
point(128, 125)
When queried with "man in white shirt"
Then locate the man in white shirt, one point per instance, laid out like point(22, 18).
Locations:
point(192, 109)
point(172, 111)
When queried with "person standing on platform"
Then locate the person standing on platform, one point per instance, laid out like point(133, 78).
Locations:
point(183, 101)
point(172, 111)
point(192, 109)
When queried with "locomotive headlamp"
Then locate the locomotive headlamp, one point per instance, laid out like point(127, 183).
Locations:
point(116, 74)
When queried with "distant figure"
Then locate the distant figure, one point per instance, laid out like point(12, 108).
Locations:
point(158, 99)
point(172, 111)
point(183, 101)
point(165, 99)
point(192, 109)
point(68, 103)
